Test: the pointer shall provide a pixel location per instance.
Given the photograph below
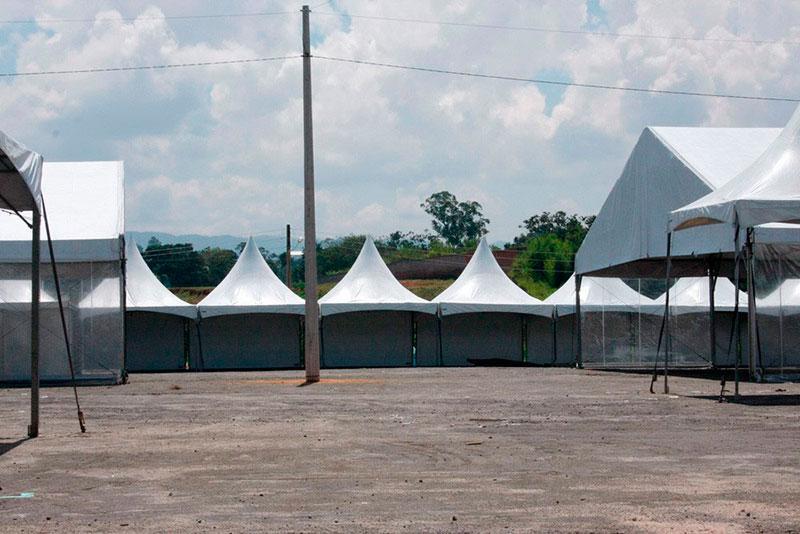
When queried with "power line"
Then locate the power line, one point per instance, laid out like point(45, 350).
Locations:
point(556, 82)
point(144, 17)
point(536, 29)
point(146, 67)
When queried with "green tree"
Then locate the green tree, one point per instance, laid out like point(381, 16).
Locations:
point(547, 259)
point(217, 262)
point(459, 223)
point(571, 228)
point(176, 265)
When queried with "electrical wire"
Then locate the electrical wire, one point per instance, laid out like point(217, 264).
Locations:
point(536, 29)
point(434, 70)
point(145, 17)
point(148, 67)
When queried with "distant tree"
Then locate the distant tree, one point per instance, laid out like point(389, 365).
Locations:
point(408, 240)
point(337, 255)
point(547, 258)
point(176, 265)
point(571, 228)
point(153, 242)
point(457, 222)
point(217, 262)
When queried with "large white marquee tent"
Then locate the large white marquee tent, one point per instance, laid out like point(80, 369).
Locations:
point(370, 320)
point(619, 325)
point(251, 320)
point(159, 327)
point(485, 316)
point(85, 206)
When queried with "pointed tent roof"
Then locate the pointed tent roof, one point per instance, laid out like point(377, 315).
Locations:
point(667, 169)
point(144, 292)
point(369, 285)
point(601, 294)
point(484, 287)
point(250, 287)
point(784, 299)
point(21, 171)
point(766, 191)
point(690, 295)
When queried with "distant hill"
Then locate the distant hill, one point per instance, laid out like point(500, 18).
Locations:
point(272, 243)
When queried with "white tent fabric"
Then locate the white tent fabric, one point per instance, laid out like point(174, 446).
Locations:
point(19, 292)
point(21, 172)
point(484, 287)
point(105, 296)
point(601, 294)
point(783, 300)
point(85, 205)
point(690, 295)
point(369, 285)
point(766, 191)
point(668, 168)
point(250, 287)
point(144, 292)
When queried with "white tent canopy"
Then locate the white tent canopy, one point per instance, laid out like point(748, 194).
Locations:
point(21, 173)
point(601, 294)
point(484, 287)
point(250, 287)
point(144, 292)
point(690, 295)
point(766, 191)
point(668, 168)
point(369, 285)
point(85, 206)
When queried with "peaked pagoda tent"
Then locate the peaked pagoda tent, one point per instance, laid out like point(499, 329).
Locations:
point(767, 191)
point(695, 341)
point(620, 324)
point(159, 326)
point(85, 208)
point(20, 191)
point(251, 320)
point(486, 316)
point(370, 320)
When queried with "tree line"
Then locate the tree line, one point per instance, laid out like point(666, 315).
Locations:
point(547, 245)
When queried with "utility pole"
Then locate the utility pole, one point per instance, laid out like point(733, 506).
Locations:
point(310, 252)
point(289, 256)
point(33, 429)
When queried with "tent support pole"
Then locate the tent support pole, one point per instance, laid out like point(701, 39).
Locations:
point(712, 315)
point(578, 332)
point(737, 321)
point(668, 344)
point(33, 428)
point(752, 323)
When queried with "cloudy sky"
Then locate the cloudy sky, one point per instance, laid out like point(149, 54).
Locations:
point(219, 149)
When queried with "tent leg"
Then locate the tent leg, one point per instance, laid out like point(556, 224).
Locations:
point(578, 332)
point(712, 316)
point(752, 324)
point(33, 429)
point(668, 344)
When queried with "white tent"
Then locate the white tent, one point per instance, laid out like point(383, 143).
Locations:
point(691, 295)
point(767, 191)
point(619, 325)
point(85, 205)
point(668, 168)
point(369, 318)
point(20, 190)
point(159, 326)
point(486, 316)
point(251, 320)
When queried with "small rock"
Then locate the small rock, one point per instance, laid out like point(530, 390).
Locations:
point(454, 518)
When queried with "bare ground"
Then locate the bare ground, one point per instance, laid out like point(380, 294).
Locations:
point(479, 449)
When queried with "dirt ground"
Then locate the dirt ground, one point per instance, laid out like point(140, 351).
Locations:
point(478, 449)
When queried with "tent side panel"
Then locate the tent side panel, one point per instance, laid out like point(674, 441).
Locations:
point(252, 341)
point(367, 339)
point(427, 340)
point(565, 340)
point(155, 342)
point(540, 339)
point(481, 336)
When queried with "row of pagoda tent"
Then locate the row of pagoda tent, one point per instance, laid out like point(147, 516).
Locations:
point(253, 321)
